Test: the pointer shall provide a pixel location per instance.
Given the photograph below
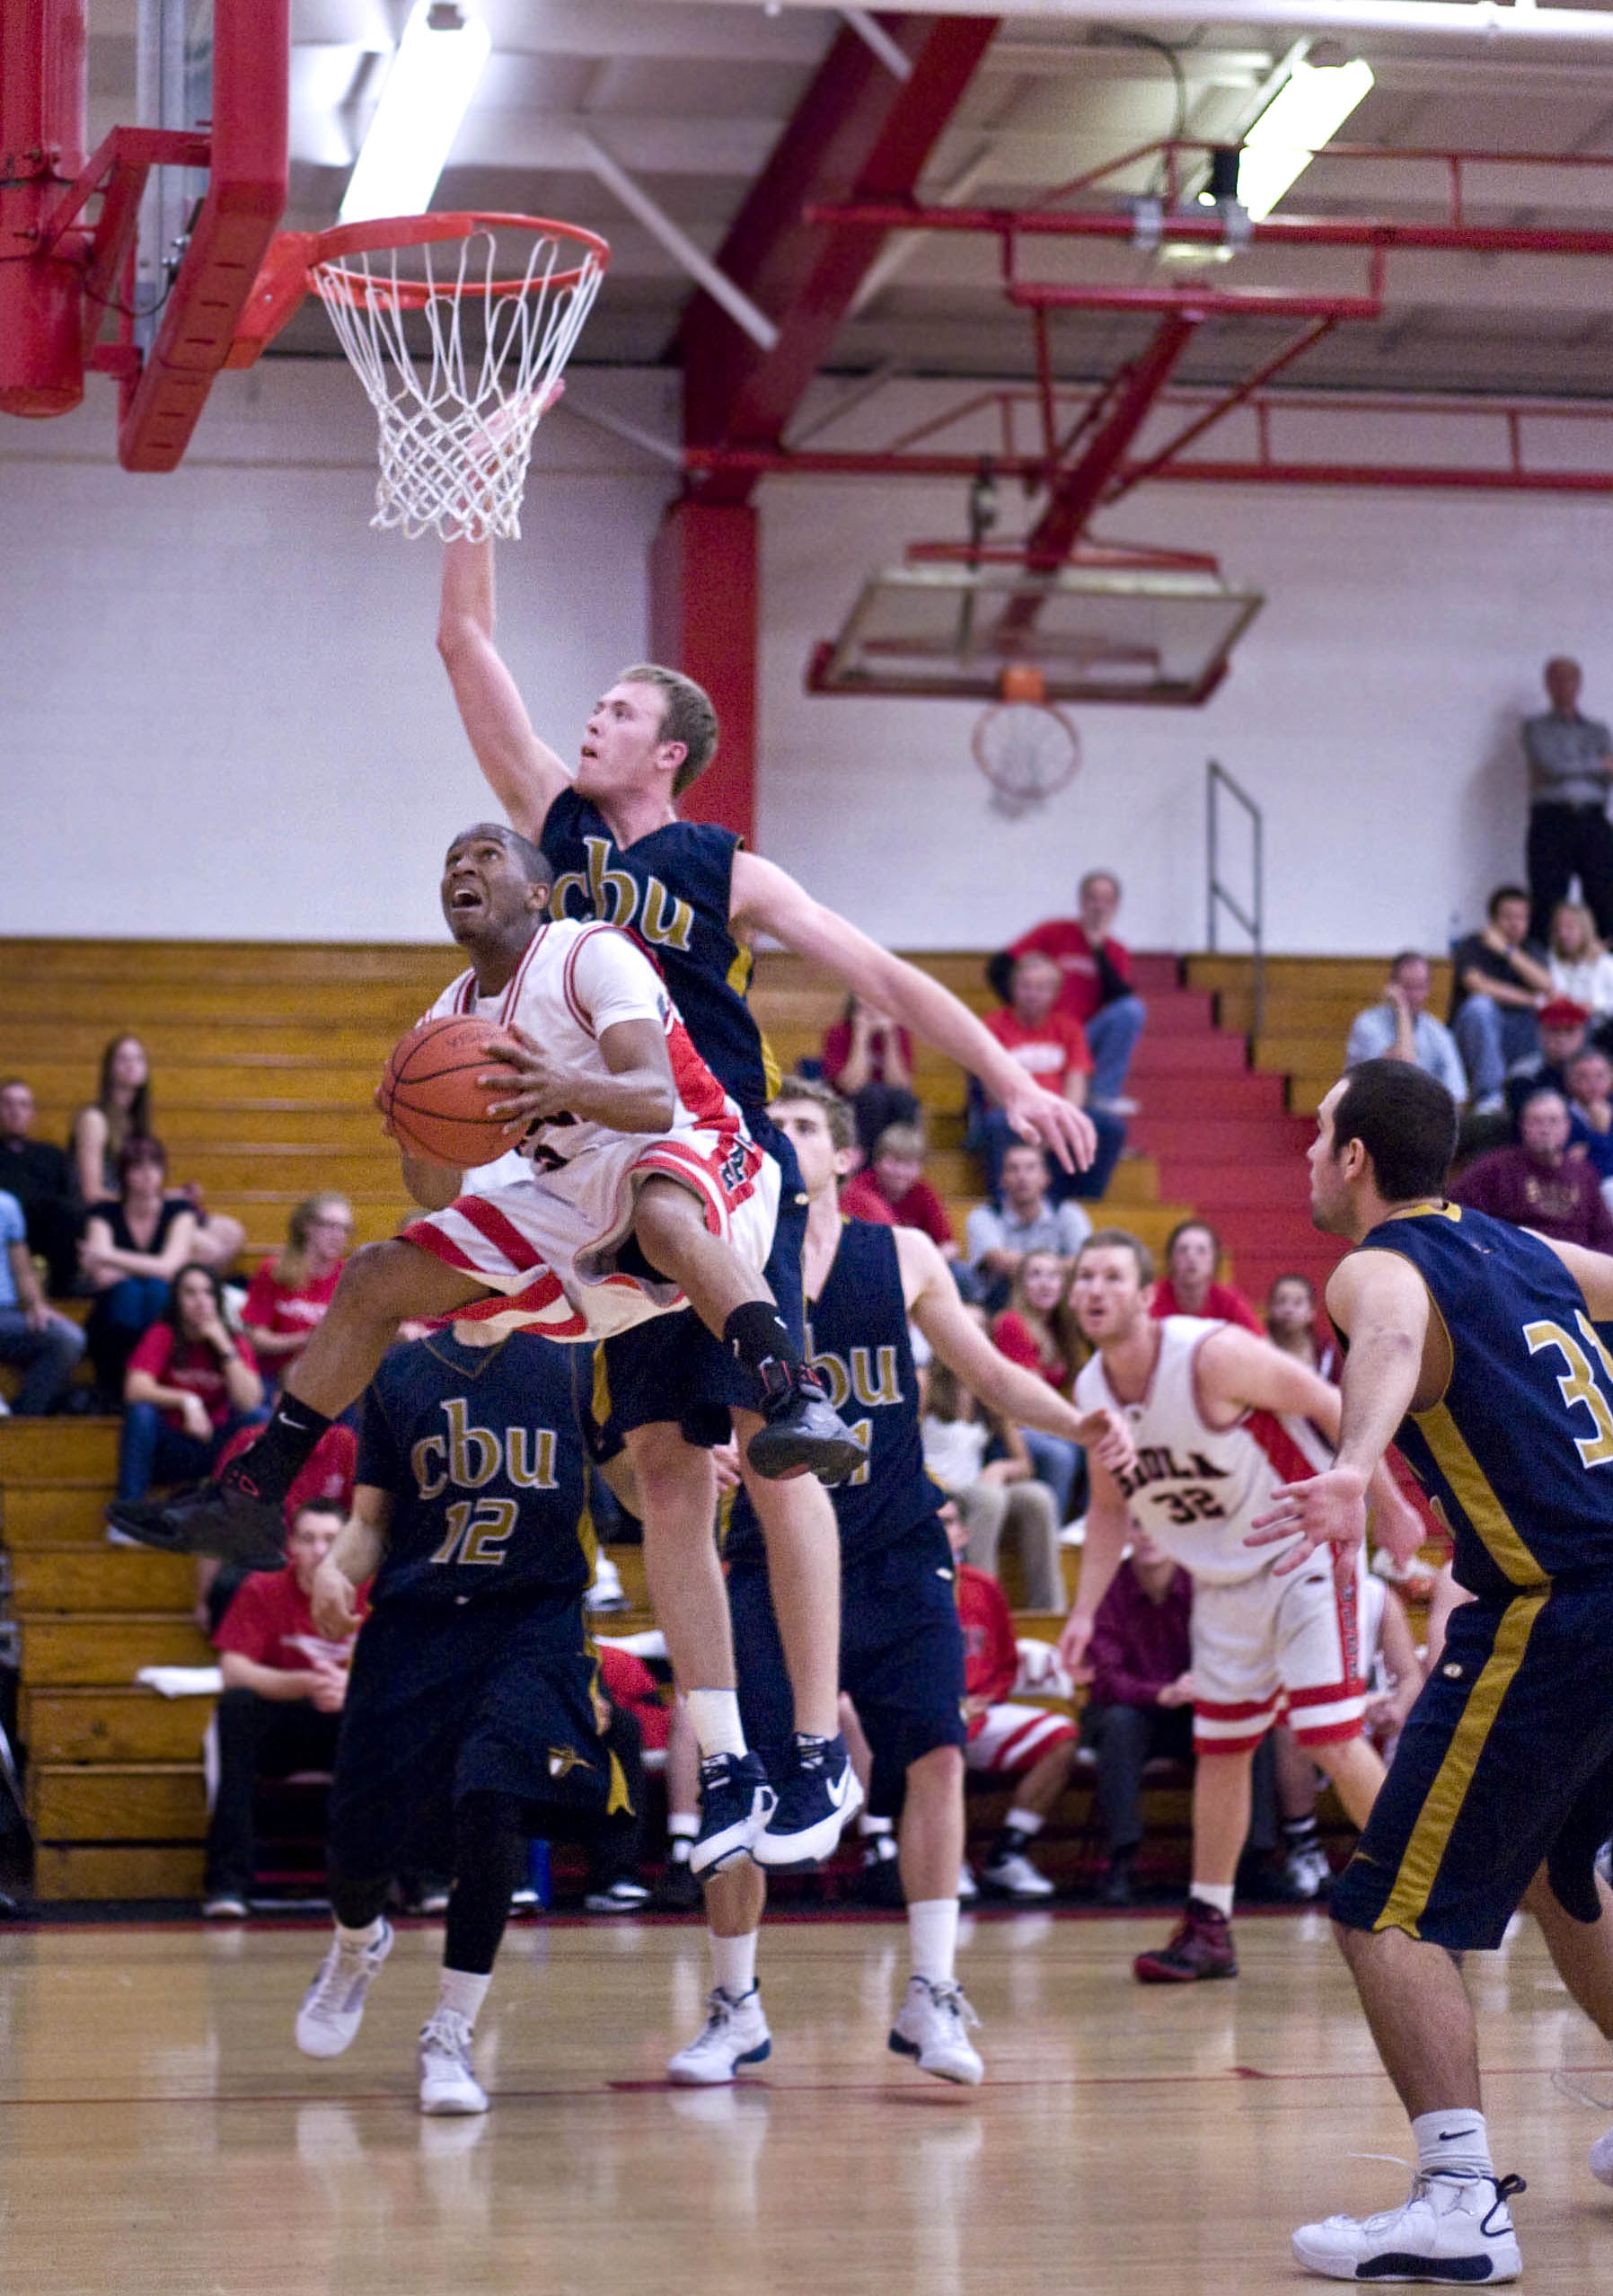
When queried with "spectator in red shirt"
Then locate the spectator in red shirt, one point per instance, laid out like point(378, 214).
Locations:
point(191, 1383)
point(867, 1057)
point(1188, 1287)
point(1139, 1705)
point(1027, 1333)
point(1028, 1743)
point(291, 1290)
point(284, 1687)
point(1538, 1184)
point(1052, 1046)
point(1096, 974)
point(894, 1192)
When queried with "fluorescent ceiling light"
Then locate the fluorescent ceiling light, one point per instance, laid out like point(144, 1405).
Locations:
point(1307, 111)
point(428, 88)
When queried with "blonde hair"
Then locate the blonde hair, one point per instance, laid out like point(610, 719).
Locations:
point(1591, 945)
point(291, 1261)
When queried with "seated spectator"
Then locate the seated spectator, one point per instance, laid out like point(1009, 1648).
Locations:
point(190, 1385)
point(1027, 1744)
point(1027, 1332)
point(1189, 1286)
point(1590, 1109)
point(1500, 978)
point(284, 1688)
point(868, 1059)
point(1097, 974)
point(1140, 1703)
point(121, 1112)
point(133, 1246)
point(1581, 967)
point(1561, 1029)
point(894, 1192)
point(994, 1497)
point(1023, 1219)
point(1402, 1029)
point(40, 1175)
point(1052, 1046)
point(1291, 1324)
point(288, 1295)
point(1538, 1184)
point(47, 1345)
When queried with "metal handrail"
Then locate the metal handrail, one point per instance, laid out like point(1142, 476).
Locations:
point(1217, 778)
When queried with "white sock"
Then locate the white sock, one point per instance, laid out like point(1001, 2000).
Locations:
point(932, 1932)
point(463, 1992)
point(356, 1940)
point(734, 1963)
point(682, 1828)
point(1216, 1894)
point(1456, 2140)
point(868, 1826)
point(1024, 1821)
point(715, 1714)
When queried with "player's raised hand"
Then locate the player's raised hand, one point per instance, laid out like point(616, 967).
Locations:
point(1327, 1509)
point(334, 1603)
point(1107, 1436)
point(1053, 1122)
point(530, 1081)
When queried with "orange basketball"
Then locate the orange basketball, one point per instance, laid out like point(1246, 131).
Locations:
point(1022, 681)
point(430, 1096)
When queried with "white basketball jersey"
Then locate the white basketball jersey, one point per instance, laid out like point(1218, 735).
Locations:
point(575, 980)
point(1197, 1488)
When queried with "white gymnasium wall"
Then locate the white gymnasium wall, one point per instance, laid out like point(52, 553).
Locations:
point(223, 714)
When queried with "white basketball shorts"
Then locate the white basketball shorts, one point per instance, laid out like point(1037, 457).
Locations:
point(1270, 1647)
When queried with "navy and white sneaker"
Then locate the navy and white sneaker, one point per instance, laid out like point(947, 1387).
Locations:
point(819, 1795)
point(734, 2033)
point(1451, 2228)
point(736, 1803)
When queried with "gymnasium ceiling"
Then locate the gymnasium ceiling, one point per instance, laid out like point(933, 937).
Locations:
point(691, 97)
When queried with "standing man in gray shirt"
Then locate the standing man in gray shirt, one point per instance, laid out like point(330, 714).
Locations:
point(1401, 1029)
point(1570, 764)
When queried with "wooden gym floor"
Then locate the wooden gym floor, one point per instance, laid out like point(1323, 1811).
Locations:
point(163, 2137)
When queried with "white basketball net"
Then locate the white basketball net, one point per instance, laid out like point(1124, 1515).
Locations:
point(457, 419)
point(1027, 750)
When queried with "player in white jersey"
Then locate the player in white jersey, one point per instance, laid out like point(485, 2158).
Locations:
point(1219, 1420)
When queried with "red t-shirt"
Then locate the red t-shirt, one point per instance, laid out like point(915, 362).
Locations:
point(1222, 1304)
point(629, 1683)
point(328, 1473)
point(189, 1363)
point(920, 1207)
point(991, 1647)
point(1014, 1339)
point(270, 1622)
point(837, 1051)
point(1064, 940)
point(273, 1306)
point(1054, 1051)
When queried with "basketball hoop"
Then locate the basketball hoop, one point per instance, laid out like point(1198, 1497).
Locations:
point(458, 404)
point(1024, 744)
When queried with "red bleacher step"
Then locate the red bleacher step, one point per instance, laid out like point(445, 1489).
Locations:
point(1191, 1053)
point(1214, 1139)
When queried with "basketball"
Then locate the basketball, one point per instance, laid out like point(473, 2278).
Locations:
point(430, 1096)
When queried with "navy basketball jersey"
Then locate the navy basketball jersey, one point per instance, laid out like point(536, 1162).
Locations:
point(670, 890)
point(1517, 1455)
point(857, 1342)
point(480, 1450)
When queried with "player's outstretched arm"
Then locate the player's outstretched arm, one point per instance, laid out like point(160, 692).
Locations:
point(1021, 1396)
point(525, 774)
point(1102, 1549)
point(765, 900)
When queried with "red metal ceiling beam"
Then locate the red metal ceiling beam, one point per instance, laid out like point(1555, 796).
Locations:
point(858, 132)
point(777, 462)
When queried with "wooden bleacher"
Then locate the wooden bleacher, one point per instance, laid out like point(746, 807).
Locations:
point(1309, 1004)
point(264, 1057)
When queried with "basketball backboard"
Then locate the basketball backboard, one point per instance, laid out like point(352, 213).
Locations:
point(1096, 633)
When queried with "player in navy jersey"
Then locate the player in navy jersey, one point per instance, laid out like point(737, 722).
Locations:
point(1474, 1346)
point(901, 1643)
point(472, 1714)
point(697, 902)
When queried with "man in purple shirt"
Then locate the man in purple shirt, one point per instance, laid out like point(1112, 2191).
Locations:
point(1538, 1184)
point(1139, 1705)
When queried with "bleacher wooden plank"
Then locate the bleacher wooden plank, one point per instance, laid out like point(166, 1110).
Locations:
point(109, 1725)
point(100, 1578)
point(116, 1801)
point(95, 1872)
point(53, 1515)
point(108, 1648)
point(58, 1450)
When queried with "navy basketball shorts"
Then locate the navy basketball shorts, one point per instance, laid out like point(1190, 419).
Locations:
point(671, 1368)
point(490, 1696)
point(1506, 1760)
point(901, 1658)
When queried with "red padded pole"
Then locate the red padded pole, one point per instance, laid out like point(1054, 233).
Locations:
point(42, 129)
